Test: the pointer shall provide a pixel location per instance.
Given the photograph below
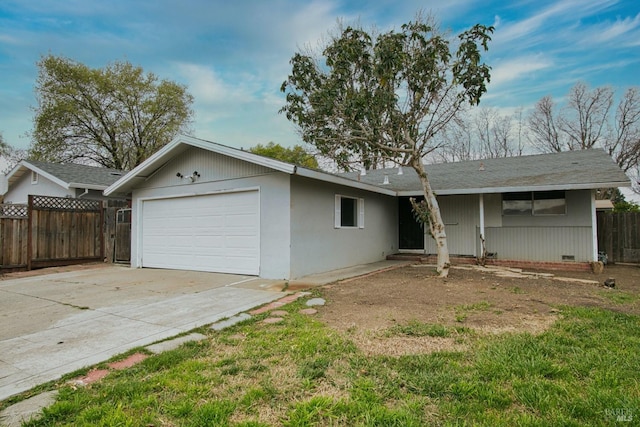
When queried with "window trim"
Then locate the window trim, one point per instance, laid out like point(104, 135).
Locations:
point(544, 195)
point(34, 177)
point(359, 214)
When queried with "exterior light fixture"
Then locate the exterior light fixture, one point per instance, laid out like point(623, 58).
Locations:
point(193, 177)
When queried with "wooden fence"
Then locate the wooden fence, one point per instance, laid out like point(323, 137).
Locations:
point(619, 236)
point(64, 231)
point(51, 231)
point(13, 236)
point(117, 231)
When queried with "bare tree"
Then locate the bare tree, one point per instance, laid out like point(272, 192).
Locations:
point(588, 121)
point(480, 134)
point(457, 142)
point(584, 122)
point(543, 127)
point(4, 147)
point(494, 133)
point(623, 143)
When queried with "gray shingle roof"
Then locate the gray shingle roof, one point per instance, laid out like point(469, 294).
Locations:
point(570, 170)
point(72, 173)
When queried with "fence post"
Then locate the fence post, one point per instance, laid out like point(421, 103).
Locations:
point(29, 232)
point(103, 206)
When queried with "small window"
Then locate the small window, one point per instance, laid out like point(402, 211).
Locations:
point(517, 203)
point(349, 212)
point(549, 203)
point(34, 177)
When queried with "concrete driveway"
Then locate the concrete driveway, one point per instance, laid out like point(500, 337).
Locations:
point(54, 324)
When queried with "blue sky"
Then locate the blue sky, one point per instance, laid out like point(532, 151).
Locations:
point(234, 55)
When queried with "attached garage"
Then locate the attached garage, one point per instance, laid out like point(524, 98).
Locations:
point(198, 205)
point(217, 232)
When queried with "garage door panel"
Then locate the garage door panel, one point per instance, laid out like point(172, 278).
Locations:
point(238, 242)
point(206, 233)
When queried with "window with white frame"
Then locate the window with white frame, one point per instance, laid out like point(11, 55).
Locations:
point(34, 177)
point(349, 212)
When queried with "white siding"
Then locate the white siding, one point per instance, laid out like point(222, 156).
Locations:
point(211, 167)
point(461, 217)
point(317, 246)
point(526, 238)
point(20, 191)
point(545, 238)
point(540, 243)
point(274, 205)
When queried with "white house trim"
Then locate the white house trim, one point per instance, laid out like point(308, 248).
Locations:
point(149, 166)
point(26, 167)
point(594, 226)
point(86, 186)
point(482, 233)
point(490, 190)
point(326, 177)
point(140, 214)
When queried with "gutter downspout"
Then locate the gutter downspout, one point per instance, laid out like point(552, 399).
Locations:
point(86, 191)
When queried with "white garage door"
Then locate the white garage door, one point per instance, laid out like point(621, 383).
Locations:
point(218, 233)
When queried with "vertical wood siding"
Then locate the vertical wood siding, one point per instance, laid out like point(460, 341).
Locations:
point(540, 243)
point(211, 167)
point(461, 216)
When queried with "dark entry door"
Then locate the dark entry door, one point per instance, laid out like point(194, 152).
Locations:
point(410, 232)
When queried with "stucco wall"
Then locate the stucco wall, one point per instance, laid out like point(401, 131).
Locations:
point(19, 192)
point(274, 204)
point(317, 246)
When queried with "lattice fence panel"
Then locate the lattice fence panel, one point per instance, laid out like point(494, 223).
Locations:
point(65, 204)
point(13, 211)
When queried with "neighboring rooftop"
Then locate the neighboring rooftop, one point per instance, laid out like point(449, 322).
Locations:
point(584, 169)
point(68, 175)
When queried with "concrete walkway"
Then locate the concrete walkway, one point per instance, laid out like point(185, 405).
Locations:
point(51, 325)
point(55, 324)
point(344, 273)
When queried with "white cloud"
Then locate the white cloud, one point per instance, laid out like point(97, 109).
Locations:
point(208, 87)
point(617, 30)
point(552, 21)
point(7, 39)
point(518, 69)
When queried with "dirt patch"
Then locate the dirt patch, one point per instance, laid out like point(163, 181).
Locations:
point(483, 301)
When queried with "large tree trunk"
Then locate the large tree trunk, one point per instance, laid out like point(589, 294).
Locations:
point(436, 225)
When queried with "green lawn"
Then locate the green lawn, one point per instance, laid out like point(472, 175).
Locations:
point(584, 370)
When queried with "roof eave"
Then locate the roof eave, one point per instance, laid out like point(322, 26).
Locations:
point(142, 171)
point(241, 155)
point(87, 186)
point(334, 179)
point(489, 190)
point(21, 168)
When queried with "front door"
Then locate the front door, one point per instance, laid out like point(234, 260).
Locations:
point(410, 231)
